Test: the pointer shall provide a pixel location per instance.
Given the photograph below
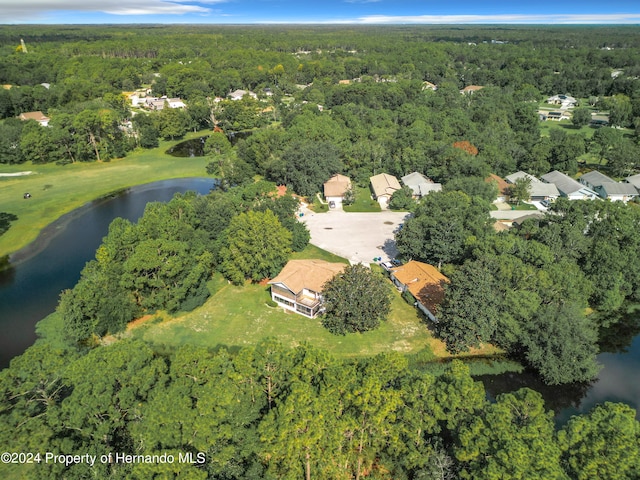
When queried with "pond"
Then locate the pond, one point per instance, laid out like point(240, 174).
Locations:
point(30, 289)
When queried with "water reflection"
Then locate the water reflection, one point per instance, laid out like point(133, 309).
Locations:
point(618, 381)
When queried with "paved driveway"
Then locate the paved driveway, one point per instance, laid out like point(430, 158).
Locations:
point(359, 237)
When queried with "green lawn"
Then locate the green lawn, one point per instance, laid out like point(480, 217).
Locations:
point(239, 316)
point(364, 202)
point(57, 190)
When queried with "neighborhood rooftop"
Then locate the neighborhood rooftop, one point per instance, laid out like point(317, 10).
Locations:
point(337, 186)
point(595, 178)
point(424, 281)
point(566, 185)
point(298, 275)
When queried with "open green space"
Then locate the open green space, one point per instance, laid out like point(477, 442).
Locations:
point(237, 316)
point(364, 202)
point(56, 190)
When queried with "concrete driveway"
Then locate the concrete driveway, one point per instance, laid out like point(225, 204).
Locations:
point(359, 237)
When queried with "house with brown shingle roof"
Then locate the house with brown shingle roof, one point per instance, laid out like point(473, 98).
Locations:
point(503, 187)
point(469, 89)
point(38, 116)
point(424, 282)
point(336, 188)
point(383, 186)
point(298, 287)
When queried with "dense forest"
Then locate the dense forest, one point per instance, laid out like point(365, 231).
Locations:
point(359, 101)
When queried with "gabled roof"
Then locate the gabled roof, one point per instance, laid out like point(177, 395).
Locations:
point(520, 174)
point(615, 188)
point(567, 185)
point(634, 180)
point(424, 281)
point(420, 185)
point(595, 178)
point(384, 184)
point(310, 274)
point(37, 116)
point(471, 88)
point(337, 186)
point(538, 188)
point(503, 186)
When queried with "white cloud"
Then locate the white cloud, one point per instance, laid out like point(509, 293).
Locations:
point(21, 10)
point(613, 18)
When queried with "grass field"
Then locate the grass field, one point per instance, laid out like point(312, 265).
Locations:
point(363, 203)
point(56, 190)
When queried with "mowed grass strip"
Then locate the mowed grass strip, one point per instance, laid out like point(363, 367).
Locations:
point(56, 190)
point(237, 316)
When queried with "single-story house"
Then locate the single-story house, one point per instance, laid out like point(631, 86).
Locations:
point(157, 103)
point(538, 190)
point(503, 187)
point(420, 185)
point(608, 188)
point(566, 101)
point(38, 116)
point(298, 286)
point(424, 282)
point(557, 116)
point(568, 187)
point(383, 186)
point(471, 89)
point(634, 180)
point(336, 188)
point(239, 94)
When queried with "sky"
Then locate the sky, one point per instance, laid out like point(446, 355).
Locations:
point(320, 11)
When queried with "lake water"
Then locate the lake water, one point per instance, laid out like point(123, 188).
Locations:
point(30, 290)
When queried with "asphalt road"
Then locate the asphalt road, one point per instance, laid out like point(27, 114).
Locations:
point(359, 237)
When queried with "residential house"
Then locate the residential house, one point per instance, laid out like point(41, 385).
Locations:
point(424, 282)
point(538, 190)
point(503, 187)
point(557, 116)
point(336, 188)
point(608, 188)
point(298, 287)
point(239, 94)
point(565, 101)
point(634, 180)
point(383, 186)
point(38, 116)
point(158, 103)
point(420, 185)
point(470, 89)
point(568, 187)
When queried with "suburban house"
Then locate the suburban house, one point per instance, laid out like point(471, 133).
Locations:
point(503, 187)
point(557, 116)
point(238, 94)
point(420, 185)
point(634, 180)
point(336, 188)
point(538, 190)
point(38, 116)
point(565, 101)
point(424, 282)
point(298, 287)
point(157, 103)
point(383, 185)
point(568, 187)
point(608, 188)
point(471, 89)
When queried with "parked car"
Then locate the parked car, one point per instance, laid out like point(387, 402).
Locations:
point(332, 204)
